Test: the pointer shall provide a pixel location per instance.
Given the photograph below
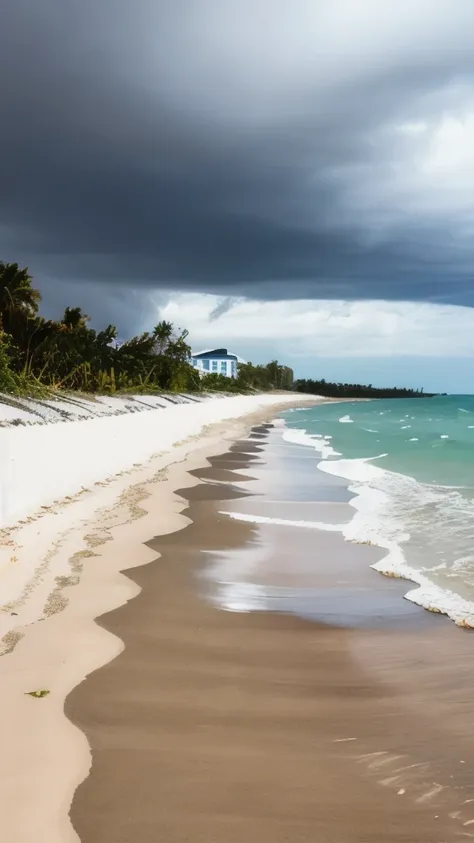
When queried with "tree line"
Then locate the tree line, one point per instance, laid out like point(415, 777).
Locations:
point(260, 378)
point(356, 390)
point(39, 354)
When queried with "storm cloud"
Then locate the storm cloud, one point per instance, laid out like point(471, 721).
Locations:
point(262, 148)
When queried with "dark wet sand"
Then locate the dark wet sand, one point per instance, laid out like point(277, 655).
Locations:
point(217, 727)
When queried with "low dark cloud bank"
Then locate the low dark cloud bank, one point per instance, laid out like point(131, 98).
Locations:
point(241, 147)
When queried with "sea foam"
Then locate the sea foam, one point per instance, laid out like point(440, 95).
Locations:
point(319, 443)
point(282, 522)
point(383, 501)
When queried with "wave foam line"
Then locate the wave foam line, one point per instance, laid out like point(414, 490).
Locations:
point(283, 522)
point(427, 595)
point(368, 500)
point(298, 436)
point(361, 529)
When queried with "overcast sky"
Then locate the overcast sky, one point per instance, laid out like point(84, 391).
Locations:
point(202, 157)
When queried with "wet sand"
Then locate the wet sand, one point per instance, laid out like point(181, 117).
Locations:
point(246, 727)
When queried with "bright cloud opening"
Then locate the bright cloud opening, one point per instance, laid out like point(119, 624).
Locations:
point(305, 328)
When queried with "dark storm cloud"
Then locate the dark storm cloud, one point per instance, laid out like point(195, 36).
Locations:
point(234, 147)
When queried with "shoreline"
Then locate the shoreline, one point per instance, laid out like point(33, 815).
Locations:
point(59, 484)
point(44, 756)
point(57, 654)
point(425, 593)
point(259, 725)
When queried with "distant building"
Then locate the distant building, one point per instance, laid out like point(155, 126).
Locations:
point(216, 360)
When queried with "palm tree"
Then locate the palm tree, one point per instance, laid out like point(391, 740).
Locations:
point(18, 298)
point(162, 336)
point(75, 319)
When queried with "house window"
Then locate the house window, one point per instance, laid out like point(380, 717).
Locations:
point(205, 365)
point(214, 365)
point(234, 369)
point(223, 367)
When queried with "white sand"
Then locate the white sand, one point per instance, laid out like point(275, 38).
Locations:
point(44, 757)
point(50, 469)
point(43, 463)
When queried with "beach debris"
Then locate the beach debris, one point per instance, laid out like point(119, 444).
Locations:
point(38, 694)
point(401, 791)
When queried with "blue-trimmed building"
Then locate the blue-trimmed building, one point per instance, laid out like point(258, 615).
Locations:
point(216, 360)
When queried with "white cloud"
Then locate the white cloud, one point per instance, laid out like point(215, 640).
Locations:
point(412, 128)
point(421, 170)
point(247, 60)
point(295, 329)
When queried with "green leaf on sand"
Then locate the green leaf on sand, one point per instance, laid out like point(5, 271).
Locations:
point(37, 694)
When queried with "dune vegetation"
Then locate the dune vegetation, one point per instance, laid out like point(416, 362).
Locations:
point(40, 355)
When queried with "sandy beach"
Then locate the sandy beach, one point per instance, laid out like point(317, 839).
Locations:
point(61, 569)
point(232, 726)
point(200, 724)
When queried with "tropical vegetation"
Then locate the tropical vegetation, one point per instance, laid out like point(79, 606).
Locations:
point(40, 355)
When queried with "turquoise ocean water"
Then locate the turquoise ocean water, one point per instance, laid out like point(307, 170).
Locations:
point(410, 463)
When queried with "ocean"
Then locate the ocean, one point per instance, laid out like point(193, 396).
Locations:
point(410, 463)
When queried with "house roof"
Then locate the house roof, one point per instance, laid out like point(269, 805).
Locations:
point(217, 353)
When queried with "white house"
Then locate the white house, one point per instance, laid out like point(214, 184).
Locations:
point(216, 360)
